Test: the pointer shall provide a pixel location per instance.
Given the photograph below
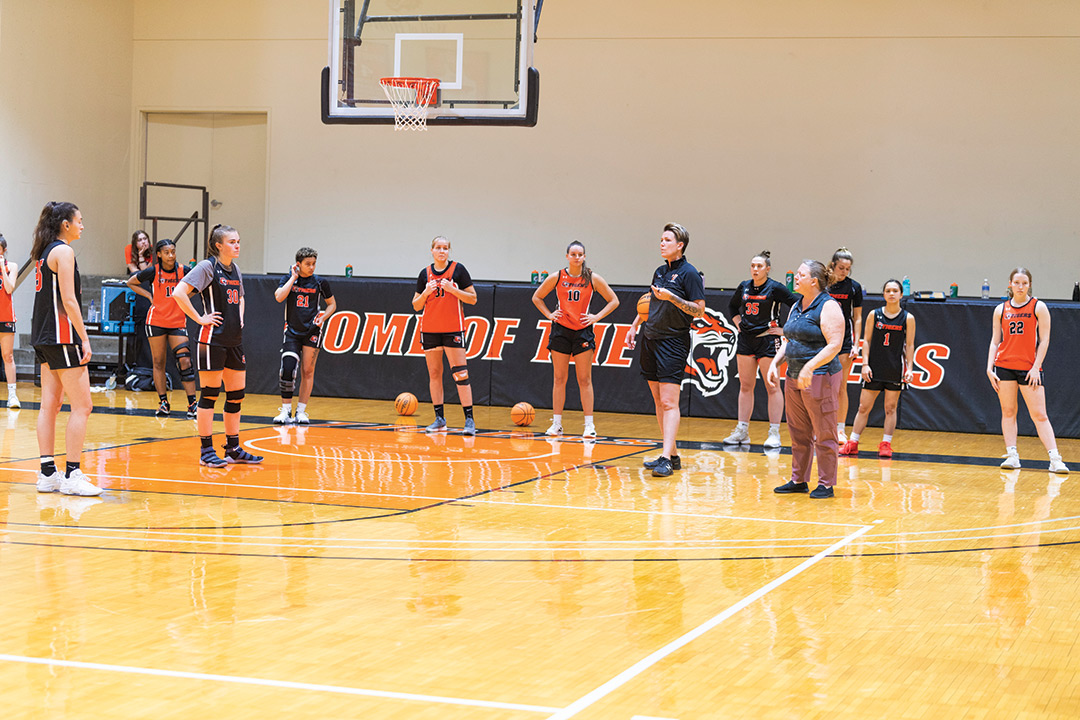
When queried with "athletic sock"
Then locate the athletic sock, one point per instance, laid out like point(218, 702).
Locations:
point(207, 442)
point(48, 465)
point(588, 420)
point(742, 426)
point(438, 411)
point(232, 442)
point(1054, 454)
point(774, 427)
point(854, 437)
point(162, 397)
point(840, 427)
point(1011, 450)
point(69, 467)
point(11, 389)
point(886, 438)
point(468, 412)
point(301, 407)
point(557, 419)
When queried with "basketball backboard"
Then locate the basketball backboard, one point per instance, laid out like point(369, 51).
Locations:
point(480, 51)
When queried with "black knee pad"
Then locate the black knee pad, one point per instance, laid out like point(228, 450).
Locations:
point(183, 363)
point(463, 370)
point(287, 374)
point(208, 396)
point(232, 400)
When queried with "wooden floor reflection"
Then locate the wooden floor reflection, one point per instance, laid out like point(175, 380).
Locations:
point(369, 570)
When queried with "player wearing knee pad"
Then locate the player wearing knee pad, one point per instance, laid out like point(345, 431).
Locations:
point(301, 291)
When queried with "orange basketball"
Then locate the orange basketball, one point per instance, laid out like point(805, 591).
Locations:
point(643, 306)
point(405, 404)
point(522, 414)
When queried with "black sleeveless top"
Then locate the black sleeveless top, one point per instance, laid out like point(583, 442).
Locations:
point(887, 346)
point(50, 324)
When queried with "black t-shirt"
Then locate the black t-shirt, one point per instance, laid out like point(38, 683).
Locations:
point(666, 320)
point(302, 304)
point(460, 277)
point(759, 305)
point(221, 289)
point(849, 294)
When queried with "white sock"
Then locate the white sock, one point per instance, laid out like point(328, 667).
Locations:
point(10, 389)
point(588, 420)
point(774, 427)
point(886, 438)
point(1011, 450)
point(1054, 454)
point(743, 426)
point(301, 407)
point(286, 408)
point(853, 437)
point(840, 428)
point(556, 419)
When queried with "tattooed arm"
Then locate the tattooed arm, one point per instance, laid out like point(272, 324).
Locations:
point(693, 309)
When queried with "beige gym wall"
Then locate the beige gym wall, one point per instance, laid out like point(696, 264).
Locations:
point(936, 138)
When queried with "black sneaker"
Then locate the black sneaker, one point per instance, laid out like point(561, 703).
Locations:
point(821, 491)
point(675, 462)
point(193, 410)
point(662, 468)
point(163, 409)
point(210, 458)
point(792, 487)
point(238, 455)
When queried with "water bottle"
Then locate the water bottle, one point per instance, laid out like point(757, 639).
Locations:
point(907, 286)
point(790, 280)
point(543, 275)
point(954, 290)
point(986, 289)
point(1076, 292)
point(92, 314)
point(348, 271)
point(535, 277)
point(191, 264)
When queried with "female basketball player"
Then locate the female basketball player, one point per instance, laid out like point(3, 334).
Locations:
point(441, 288)
point(678, 298)
point(166, 326)
point(61, 346)
point(755, 310)
point(221, 351)
point(888, 352)
point(846, 291)
point(572, 331)
point(8, 273)
point(1018, 346)
point(303, 331)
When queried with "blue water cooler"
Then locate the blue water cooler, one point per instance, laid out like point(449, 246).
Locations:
point(117, 307)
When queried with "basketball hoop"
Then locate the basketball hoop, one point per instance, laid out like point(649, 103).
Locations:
point(411, 98)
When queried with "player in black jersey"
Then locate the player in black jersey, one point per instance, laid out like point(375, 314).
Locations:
point(220, 355)
point(303, 331)
point(755, 310)
point(61, 346)
point(849, 294)
point(888, 353)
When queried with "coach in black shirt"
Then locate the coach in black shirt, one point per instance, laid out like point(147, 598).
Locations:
point(678, 296)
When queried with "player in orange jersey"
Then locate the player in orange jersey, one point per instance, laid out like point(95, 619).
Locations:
point(8, 271)
point(572, 331)
point(441, 288)
point(1019, 344)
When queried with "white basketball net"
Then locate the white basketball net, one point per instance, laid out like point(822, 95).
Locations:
point(411, 99)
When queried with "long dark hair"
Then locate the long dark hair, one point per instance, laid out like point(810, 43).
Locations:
point(586, 271)
point(49, 225)
point(136, 256)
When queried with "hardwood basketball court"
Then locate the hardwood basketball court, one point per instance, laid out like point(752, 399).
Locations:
point(369, 570)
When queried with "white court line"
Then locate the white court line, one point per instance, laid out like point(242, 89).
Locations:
point(391, 461)
point(277, 684)
point(642, 665)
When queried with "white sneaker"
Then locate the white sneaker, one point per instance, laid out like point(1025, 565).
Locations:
point(555, 429)
point(13, 402)
point(1058, 466)
point(773, 441)
point(738, 436)
point(1012, 462)
point(841, 437)
point(301, 418)
point(49, 483)
point(78, 484)
point(589, 431)
point(282, 418)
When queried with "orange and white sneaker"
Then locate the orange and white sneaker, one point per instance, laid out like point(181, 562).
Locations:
point(884, 449)
point(851, 447)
